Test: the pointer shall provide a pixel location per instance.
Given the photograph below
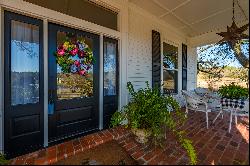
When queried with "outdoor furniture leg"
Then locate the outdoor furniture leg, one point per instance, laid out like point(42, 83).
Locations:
point(230, 123)
point(207, 119)
point(218, 116)
point(236, 119)
point(186, 111)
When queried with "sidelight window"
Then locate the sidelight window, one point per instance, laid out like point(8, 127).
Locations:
point(24, 63)
point(110, 60)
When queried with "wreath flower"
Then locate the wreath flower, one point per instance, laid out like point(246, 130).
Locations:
point(75, 56)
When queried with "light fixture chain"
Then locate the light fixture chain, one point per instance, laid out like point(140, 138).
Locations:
point(242, 10)
point(233, 12)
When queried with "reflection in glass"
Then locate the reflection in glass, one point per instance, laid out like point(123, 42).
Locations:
point(170, 66)
point(169, 81)
point(24, 63)
point(71, 85)
point(184, 58)
point(170, 59)
point(109, 69)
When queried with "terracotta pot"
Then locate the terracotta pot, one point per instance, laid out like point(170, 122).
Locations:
point(141, 135)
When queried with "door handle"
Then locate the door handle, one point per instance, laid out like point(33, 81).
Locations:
point(51, 105)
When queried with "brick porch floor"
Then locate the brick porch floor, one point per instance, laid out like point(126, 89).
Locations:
point(213, 146)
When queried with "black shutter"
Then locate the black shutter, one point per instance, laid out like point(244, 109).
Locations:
point(156, 59)
point(184, 67)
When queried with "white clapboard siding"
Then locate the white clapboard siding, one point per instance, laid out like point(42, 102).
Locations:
point(139, 59)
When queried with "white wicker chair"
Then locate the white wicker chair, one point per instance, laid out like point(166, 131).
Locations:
point(195, 102)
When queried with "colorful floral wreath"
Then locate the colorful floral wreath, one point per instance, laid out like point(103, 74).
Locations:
point(74, 56)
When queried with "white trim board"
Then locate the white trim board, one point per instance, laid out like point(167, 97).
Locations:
point(101, 84)
point(1, 82)
point(46, 69)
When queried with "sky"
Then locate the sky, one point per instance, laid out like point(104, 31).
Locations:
point(207, 54)
point(24, 60)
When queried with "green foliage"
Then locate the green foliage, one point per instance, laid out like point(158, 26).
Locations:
point(3, 160)
point(149, 110)
point(233, 91)
point(75, 84)
point(239, 73)
point(187, 145)
point(117, 118)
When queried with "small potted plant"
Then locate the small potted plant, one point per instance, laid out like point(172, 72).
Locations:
point(233, 91)
point(3, 160)
point(148, 115)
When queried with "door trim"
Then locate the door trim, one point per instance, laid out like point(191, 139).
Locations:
point(1, 82)
point(100, 84)
point(45, 68)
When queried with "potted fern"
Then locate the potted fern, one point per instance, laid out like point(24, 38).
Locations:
point(148, 115)
point(3, 160)
point(233, 91)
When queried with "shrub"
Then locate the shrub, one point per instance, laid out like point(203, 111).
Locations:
point(233, 91)
point(149, 110)
point(3, 160)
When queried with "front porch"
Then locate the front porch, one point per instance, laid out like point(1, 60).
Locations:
point(131, 41)
point(213, 146)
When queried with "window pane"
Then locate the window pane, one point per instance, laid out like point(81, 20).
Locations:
point(71, 85)
point(109, 69)
point(170, 81)
point(184, 74)
point(24, 63)
point(170, 56)
point(184, 79)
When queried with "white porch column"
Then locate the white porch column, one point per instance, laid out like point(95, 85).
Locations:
point(1, 81)
point(45, 62)
point(123, 50)
point(101, 84)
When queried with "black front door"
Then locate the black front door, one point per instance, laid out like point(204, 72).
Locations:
point(110, 79)
point(23, 84)
point(75, 97)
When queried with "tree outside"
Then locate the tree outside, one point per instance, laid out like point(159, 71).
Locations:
point(218, 65)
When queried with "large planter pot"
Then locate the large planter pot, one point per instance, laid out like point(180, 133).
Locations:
point(141, 135)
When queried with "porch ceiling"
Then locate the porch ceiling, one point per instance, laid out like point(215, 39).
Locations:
point(196, 17)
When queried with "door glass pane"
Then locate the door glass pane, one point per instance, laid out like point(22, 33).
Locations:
point(24, 63)
point(71, 85)
point(109, 69)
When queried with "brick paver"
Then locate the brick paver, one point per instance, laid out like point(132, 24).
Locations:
point(213, 146)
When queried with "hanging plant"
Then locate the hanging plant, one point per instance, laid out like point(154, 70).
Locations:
point(74, 56)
